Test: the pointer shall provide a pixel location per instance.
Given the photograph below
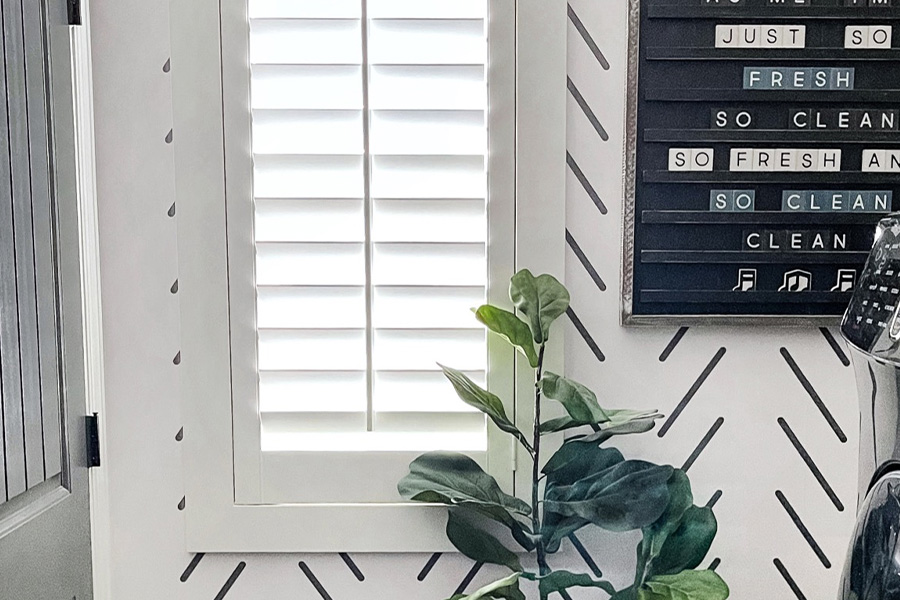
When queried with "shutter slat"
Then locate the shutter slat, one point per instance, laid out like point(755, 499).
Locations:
point(311, 307)
point(419, 392)
point(296, 41)
point(320, 350)
point(432, 42)
point(305, 391)
point(428, 221)
point(331, 87)
point(432, 9)
point(299, 423)
point(418, 87)
point(429, 264)
point(422, 350)
point(304, 9)
point(444, 132)
point(310, 264)
point(436, 422)
point(428, 177)
point(426, 308)
point(307, 132)
point(387, 423)
point(308, 176)
point(290, 220)
point(451, 441)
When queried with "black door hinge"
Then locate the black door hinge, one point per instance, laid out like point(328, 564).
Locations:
point(92, 440)
point(74, 11)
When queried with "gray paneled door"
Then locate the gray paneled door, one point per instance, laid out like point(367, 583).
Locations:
point(45, 547)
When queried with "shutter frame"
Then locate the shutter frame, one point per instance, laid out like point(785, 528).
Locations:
point(217, 522)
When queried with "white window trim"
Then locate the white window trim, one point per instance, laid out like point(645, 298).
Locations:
point(534, 156)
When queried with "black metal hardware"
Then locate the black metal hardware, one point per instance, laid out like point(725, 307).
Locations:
point(92, 439)
point(74, 7)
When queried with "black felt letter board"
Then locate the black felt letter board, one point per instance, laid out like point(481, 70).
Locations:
point(766, 146)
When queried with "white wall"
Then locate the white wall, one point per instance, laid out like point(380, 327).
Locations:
point(749, 457)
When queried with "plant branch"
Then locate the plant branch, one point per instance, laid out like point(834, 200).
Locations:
point(543, 569)
point(522, 440)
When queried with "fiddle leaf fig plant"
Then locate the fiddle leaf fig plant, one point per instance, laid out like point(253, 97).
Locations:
point(585, 483)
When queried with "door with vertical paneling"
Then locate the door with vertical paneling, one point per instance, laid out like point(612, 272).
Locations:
point(44, 512)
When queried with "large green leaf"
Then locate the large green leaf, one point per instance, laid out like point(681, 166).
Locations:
point(629, 495)
point(573, 462)
point(493, 590)
point(511, 327)
point(455, 479)
point(623, 422)
point(656, 534)
point(687, 585)
point(520, 532)
point(619, 422)
point(473, 395)
point(555, 528)
point(688, 545)
point(508, 592)
point(559, 424)
point(578, 400)
point(478, 544)
point(541, 299)
point(562, 580)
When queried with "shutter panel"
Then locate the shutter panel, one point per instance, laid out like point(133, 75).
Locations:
point(30, 435)
point(370, 207)
point(428, 142)
point(308, 154)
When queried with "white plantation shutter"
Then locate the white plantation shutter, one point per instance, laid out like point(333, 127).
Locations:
point(352, 177)
point(369, 145)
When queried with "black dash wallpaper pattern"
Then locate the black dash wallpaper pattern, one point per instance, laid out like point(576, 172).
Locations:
point(765, 420)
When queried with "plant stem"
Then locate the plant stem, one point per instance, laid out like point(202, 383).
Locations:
point(543, 569)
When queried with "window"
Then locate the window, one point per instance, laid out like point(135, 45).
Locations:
point(367, 201)
point(368, 137)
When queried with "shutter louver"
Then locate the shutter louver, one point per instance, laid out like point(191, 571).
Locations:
point(370, 221)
